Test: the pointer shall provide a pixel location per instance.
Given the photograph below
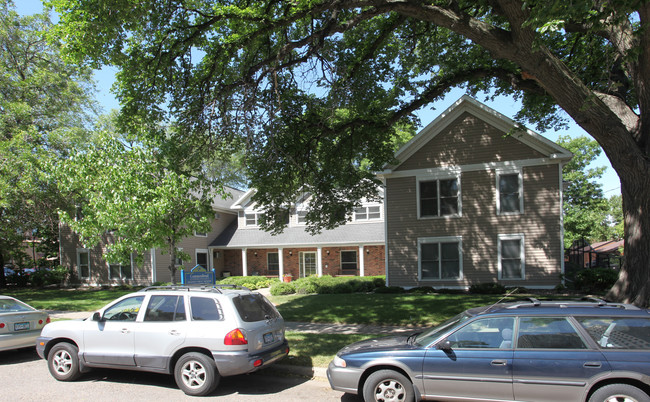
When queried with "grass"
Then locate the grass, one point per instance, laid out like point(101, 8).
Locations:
point(66, 299)
point(377, 309)
point(317, 350)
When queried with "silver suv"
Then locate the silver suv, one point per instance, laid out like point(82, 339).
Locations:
point(196, 334)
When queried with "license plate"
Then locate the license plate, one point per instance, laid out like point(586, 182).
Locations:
point(21, 326)
point(268, 337)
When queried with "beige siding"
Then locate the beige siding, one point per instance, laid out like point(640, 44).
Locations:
point(190, 245)
point(479, 226)
point(468, 140)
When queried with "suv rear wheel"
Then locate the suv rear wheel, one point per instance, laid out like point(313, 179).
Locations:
point(196, 374)
point(619, 393)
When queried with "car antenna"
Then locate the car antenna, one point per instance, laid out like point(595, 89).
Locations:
point(503, 298)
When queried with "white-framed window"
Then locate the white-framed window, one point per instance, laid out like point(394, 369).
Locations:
point(273, 262)
point(83, 263)
point(252, 219)
point(200, 234)
point(201, 257)
point(367, 213)
point(301, 217)
point(439, 197)
point(440, 258)
point(512, 261)
point(349, 263)
point(120, 271)
point(510, 192)
point(179, 259)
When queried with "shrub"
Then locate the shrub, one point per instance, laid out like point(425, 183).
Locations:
point(390, 289)
point(422, 290)
point(251, 282)
point(595, 280)
point(282, 288)
point(489, 288)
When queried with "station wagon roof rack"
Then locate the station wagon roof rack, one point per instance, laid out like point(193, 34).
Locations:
point(587, 301)
point(206, 288)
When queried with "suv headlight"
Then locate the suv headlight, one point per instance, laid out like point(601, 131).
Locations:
point(338, 362)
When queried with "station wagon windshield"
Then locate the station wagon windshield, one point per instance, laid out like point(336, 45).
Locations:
point(432, 334)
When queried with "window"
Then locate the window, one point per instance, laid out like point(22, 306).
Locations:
point(273, 262)
point(205, 309)
point(179, 259)
point(125, 310)
point(202, 258)
point(349, 261)
point(302, 217)
point(83, 262)
point(367, 213)
point(120, 271)
point(618, 332)
point(165, 308)
point(200, 234)
point(511, 257)
point(439, 198)
point(510, 198)
point(548, 333)
point(440, 258)
point(492, 333)
point(252, 219)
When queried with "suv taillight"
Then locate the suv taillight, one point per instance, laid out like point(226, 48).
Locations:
point(235, 337)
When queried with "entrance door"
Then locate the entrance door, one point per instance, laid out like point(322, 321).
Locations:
point(307, 263)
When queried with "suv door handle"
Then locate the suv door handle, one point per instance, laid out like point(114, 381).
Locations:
point(174, 332)
point(499, 362)
point(593, 365)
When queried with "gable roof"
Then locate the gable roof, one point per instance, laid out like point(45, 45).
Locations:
point(467, 104)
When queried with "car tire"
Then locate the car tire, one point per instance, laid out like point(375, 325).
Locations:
point(196, 374)
point(388, 385)
point(619, 393)
point(63, 362)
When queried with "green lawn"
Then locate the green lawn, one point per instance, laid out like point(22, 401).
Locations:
point(66, 299)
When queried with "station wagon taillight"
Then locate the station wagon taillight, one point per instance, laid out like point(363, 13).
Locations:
point(235, 337)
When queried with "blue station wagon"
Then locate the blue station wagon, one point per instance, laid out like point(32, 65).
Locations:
point(522, 351)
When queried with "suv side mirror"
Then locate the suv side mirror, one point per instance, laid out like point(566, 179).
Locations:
point(445, 344)
point(97, 317)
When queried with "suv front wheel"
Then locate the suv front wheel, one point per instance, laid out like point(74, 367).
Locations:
point(196, 374)
point(619, 392)
point(63, 362)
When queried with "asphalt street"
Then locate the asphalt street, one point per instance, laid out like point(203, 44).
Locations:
point(25, 377)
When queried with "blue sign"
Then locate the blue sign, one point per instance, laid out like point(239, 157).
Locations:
point(198, 276)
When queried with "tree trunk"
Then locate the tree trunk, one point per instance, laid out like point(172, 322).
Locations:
point(172, 262)
point(633, 285)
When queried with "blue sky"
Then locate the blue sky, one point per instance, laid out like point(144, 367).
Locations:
point(504, 105)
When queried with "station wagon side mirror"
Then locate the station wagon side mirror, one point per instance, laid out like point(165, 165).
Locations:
point(445, 344)
point(97, 317)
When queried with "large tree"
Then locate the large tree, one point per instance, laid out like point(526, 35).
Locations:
point(314, 87)
point(44, 107)
point(137, 195)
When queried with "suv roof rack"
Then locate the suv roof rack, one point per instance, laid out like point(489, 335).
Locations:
point(207, 288)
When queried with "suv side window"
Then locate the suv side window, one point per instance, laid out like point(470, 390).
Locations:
point(205, 309)
point(618, 332)
point(165, 308)
point(548, 333)
point(493, 333)
point(125, 310)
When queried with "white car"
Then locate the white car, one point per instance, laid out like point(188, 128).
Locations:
point(20, 324)
point(196, 334)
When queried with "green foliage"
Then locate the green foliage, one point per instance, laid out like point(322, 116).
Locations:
point(56, 276)
point(282, 288)
point(422, 290)
point(488, 288)
point(251, 282)
point(390, 289)
point(595, 280)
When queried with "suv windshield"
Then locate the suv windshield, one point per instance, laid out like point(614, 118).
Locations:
point(254, 307)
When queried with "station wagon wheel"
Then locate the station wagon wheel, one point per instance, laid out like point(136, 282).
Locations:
point(63, 362)
point(619, 393)
point(196, 374)
point(386, 386)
